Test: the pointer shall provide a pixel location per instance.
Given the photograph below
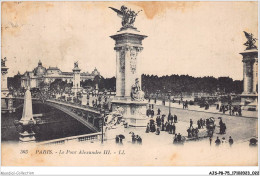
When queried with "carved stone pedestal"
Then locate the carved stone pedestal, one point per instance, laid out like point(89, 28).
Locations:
point(76, 79)
point(27, 137)
point(249, 101)
point(27, 122)
point(134, 112)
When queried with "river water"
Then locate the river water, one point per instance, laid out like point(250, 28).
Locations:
point(58, 125)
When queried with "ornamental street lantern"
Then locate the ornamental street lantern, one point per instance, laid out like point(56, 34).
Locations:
point(88, 98)
point(169, 97)
point(157, 93)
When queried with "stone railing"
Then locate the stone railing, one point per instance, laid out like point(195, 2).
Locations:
point(75, 104)
point(80, 138)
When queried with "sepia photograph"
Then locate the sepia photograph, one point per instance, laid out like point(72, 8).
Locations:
point(129, 83)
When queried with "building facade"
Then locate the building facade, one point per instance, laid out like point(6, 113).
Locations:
point(48, 75)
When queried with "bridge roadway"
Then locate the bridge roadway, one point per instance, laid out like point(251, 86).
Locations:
point(75, 111)
point(64, 108)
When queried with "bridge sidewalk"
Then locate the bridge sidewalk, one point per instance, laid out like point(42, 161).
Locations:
point(213, 110)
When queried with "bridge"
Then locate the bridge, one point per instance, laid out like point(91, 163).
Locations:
point(86, 115)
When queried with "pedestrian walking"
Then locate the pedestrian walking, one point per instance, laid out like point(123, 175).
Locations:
point(191, 123)
point(230, 141)
point(217, 142)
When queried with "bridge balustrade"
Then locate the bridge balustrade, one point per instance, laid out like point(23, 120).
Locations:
point(80, 138)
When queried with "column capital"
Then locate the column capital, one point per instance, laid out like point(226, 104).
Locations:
point(4, 72)
point(127, 48)
point(249, 60)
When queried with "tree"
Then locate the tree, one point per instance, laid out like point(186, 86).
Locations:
point(14, 82)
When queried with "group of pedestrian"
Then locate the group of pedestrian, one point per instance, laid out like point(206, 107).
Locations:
point(119, 139)
point(177, 138)
point(136, 139)
point(170, 127)
point(172, 118)
point(223, 141)
point(150, 112)
point(233, 110)
point(185, 105)
point(193, 132)
point(162, 124)
point(201, 123)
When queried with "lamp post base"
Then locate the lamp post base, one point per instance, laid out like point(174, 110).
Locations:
point(27, 137)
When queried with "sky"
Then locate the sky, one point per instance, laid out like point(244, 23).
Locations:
point(190, 38)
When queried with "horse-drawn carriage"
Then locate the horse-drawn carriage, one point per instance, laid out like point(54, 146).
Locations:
point(210, 126)
point(179, 139)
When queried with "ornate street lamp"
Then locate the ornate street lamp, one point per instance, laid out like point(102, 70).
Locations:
point(88, 98)
point(101, 122)
point(169, 97)
point(157, 93)
point(110, 92)
point(105, 95)
point(99, 99)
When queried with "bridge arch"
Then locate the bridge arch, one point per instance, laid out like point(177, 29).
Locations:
point(73, 111)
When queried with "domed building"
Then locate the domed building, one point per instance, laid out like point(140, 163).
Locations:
point(41, 74)
point(39, 70)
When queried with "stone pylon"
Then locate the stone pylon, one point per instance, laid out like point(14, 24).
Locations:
point(129, 96)
point(4, 71)
point(76, 79)
point(4, 88)
point(27, 121)
point(249, 97)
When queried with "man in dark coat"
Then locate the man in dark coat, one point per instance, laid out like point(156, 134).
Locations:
point(179, 137)
point(163, 127)
point(175, 139)
point(158, 121)
point(201, 123)
point(138, 139)
point(230, 141)
point(189, 130)
point(158, 111)
point(148, 112)
point(198, 123)
point(191, 123)
point(157, 131)
point(117, 139)
point(224, 128)
point(153, 128)
point(162, 118)
point(186, 104)
point(167, 126)
point(133, 138)
point(147, 128)
point(239, 111)
point(217, 142)
point(170, 128)
point(151, 124)
point(173, 129)
point(170, 118)
point(220, 122)
point(175, 118)
point(152, 112)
